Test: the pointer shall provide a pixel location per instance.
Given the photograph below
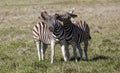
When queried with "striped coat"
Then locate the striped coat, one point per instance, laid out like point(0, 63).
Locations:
point(50, 31)
point(43, 34)
point(75, 33)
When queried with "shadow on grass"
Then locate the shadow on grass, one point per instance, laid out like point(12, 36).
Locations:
point(100, 57)
point(73, 59)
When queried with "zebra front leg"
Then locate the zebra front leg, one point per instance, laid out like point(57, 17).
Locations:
point(38, 49)
point(74, 51)
point(63, 49)
point(86, 49)
point(80, 51)
point(67, 51)
point(43, 49)
point(52, 50)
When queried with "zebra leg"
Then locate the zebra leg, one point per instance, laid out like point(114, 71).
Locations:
point(67, 51)
point(80, 50)
point(86, 49)
point(63, 49)
point(74, 51)
point(43, 49)
point(38, 49)
point(52, 50)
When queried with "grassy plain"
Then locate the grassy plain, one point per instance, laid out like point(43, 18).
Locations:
point(18, 53)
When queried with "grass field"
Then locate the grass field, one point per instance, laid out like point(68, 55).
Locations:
point(18, 53)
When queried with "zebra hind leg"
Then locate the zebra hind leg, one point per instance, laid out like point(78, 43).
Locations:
point(43, 49)
point(38, 49)
point(86, 49)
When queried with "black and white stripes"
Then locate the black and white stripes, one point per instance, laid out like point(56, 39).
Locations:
point(84, 31)
point(49, 31)
point(75, 33)
point(40, 31)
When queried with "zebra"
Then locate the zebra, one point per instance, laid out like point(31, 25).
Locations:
point(75, 33)
point(49, 31)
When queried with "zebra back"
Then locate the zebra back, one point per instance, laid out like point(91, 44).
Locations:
point(83, 30)
point(42, 33)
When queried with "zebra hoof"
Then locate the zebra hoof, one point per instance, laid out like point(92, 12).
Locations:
point(51, 61)
point(76, 60)
point(87, 60)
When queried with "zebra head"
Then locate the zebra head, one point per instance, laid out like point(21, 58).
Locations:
point(50, 21)
point(65, 17)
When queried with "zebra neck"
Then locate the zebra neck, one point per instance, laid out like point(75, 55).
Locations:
point(68, 22)
point(67, 25)
point(68, 28)
point(59, 33)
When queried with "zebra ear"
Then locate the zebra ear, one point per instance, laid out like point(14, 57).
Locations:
point(71, 11)
point(44, 15)
point(57, 16)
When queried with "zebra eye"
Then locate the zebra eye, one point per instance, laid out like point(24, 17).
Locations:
point(51, 29)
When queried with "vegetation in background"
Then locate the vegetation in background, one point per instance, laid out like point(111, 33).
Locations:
point(18, 53)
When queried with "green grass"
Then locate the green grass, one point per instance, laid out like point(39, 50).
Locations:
point(18, 53)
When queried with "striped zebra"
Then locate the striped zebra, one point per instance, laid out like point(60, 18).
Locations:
point(50, 31)
point(75, 33)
